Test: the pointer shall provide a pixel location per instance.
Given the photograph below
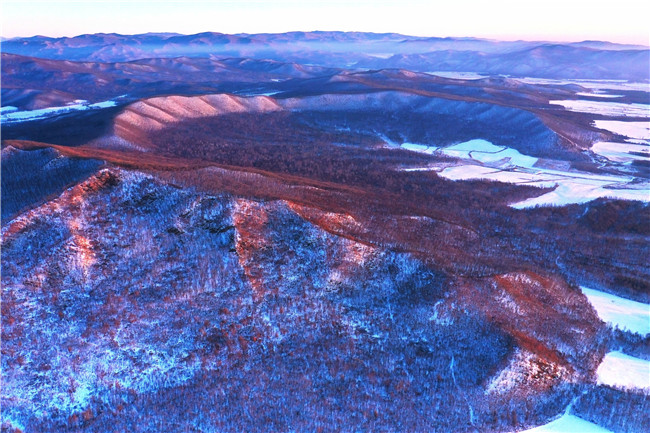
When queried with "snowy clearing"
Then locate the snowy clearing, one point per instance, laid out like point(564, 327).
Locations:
point(583, 189)
point(619, 312)
point(639, 130)
point(8, 109)
point(422, 148)
point(568, 424)
point(484, 151)
point(478, 150)
point(591, 84)
point(468, 172)
point(598, 95)
point(457, 75)
point(606, 108)
point(257, 93)
point(624, 371)
point(484, 160)
point(22, 116)
point(621, 152)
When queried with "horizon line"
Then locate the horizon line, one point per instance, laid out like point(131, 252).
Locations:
point(484, 38)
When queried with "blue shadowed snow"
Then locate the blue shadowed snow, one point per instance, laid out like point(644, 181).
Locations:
point(568, 424)
point(22, 116)
point(624, 371)
point(619, 312)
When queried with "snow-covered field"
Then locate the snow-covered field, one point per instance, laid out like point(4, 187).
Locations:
point(606, 108)
point(594, 85)
point(619, 312)
point(597, 94)
point(22, 116)
point(584, 188)
point(458, 75)
point(478, 150)
point(422, 148)
point(638, 130)
point(484, 160)
point(256, 93)
point(621, 152)
point(8, 109)
point(481, 159)
point(486, 152)
point(568, 424)
point(624, 371)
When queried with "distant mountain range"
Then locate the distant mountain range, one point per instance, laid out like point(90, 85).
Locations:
point(587, 59)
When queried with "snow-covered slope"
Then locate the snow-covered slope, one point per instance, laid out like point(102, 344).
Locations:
point(624, 371)
point(619, 312)
point(568, 424)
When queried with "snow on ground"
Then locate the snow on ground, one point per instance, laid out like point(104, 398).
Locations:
point(257, 93)
point(381, 55)
point(21, 116)
point(583, 189)
point(623, 371)
point(621, 152)
point(484, 151)
point(8, 109)
point(478, 150)
point(484, 160)
point(568, 424)
point(598, 95)
point(457, 75)
point(422, 148)
point(476, 145)
point(605, 108)
point(638, 130)
point(619, 312)
point(596, 85)
point(104, 104)
point(470, 171)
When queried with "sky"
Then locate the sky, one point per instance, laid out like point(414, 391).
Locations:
point(623, 21)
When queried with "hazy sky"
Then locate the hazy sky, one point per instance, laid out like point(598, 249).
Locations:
point(557, 20)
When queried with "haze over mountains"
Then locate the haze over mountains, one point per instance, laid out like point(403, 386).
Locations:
point(588, 59)
point(324, 231)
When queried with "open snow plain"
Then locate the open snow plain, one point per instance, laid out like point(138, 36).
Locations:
point(13, 115)
point(619, 312)
point(568, 424)
point(623, 371)
point(480, 159)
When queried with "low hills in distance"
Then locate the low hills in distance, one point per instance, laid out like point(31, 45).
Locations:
point(587, 59)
